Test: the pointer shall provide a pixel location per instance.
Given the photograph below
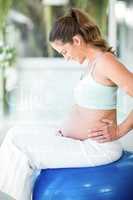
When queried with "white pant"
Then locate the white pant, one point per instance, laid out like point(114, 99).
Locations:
point(27, 148)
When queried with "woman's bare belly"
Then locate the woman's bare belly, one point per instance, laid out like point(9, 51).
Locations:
point(81, 119)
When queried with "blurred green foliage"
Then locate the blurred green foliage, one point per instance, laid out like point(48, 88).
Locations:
point(7, 54)
point(43, 16)
point(4, 8)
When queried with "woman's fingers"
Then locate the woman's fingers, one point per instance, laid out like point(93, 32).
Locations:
point(107, 121)
point(103, 128)
point(103, 140)
point(96, 132)
point(100, 139)
point(100, 135)
point(93, 134)
point(107, 131)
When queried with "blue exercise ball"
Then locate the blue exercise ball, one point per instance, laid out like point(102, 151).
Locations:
point(108, 182)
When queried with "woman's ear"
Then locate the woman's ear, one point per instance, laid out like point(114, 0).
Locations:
point(77, 40)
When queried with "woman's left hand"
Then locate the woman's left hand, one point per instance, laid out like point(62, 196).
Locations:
point(108, 132)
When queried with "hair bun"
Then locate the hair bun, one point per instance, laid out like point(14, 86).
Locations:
point(79, 16)
point(73, 14)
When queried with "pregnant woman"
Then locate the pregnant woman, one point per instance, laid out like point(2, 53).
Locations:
point(29, 148)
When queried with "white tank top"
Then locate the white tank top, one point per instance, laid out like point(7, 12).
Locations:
point(91, 94)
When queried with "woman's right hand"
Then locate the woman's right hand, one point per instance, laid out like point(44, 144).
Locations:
point(106, 133)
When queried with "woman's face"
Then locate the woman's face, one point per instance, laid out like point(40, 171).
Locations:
point(71, 51)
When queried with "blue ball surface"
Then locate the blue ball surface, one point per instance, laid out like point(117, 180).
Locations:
point(108, 182)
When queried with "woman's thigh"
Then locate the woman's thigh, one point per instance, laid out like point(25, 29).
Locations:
point(47, 150)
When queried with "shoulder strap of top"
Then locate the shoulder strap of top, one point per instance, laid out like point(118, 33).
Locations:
point(93, 64)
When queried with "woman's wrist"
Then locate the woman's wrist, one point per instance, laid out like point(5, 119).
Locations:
point(119, 131)
point(123, 129)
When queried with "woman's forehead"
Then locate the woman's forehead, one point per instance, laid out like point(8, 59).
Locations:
point(58, 42)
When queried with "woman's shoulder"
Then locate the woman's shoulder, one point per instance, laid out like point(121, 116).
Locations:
point(108, 62)
point(108, 58)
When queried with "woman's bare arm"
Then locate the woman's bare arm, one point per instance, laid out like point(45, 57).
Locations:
point(126, 125)
point(117, 73)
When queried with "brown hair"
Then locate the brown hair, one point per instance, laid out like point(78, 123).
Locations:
point(78, 22)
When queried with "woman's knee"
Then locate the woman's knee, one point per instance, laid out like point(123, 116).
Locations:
point(13, 136)
point(9, 135)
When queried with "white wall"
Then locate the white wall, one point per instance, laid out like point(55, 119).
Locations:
point(45, 88)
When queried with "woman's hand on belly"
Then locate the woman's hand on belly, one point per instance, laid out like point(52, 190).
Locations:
point(109, 132)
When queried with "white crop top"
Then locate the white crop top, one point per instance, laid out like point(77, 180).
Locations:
point(91, 94)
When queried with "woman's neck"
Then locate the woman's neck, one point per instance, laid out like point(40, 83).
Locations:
point(92, 53)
